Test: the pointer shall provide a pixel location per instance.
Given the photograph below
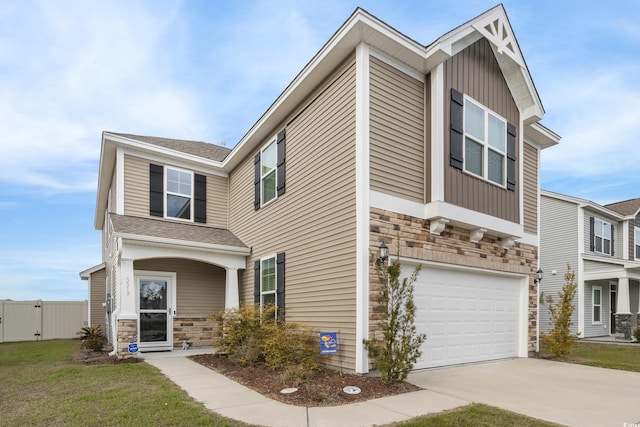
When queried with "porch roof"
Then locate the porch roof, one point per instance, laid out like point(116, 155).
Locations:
point(125, 225)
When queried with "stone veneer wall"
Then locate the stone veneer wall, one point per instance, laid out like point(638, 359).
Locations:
point(196, 331)
point(127, 333)
point(452, 246)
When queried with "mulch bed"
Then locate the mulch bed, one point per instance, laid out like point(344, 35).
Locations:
point(324, 388)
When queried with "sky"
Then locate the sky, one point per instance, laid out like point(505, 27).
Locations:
point(207, 70)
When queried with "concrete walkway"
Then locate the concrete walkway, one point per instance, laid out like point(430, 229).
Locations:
point(572, 395)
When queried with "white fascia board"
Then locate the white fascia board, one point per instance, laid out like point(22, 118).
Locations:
point(128, 238)
point(540, 136)
point(84, 275)
point(456, 215)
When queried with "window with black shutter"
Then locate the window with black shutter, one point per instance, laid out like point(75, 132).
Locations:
point(270, 171)
point(269, 283)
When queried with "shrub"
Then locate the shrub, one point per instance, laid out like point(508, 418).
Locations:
point(289, 347)
point(560, 340)
point(399, 349)
point(92, 338)
point(636, 334)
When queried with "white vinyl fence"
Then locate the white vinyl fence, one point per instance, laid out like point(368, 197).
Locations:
point(41, 320)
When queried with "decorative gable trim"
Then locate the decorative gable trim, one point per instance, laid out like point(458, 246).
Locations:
point(497, 30)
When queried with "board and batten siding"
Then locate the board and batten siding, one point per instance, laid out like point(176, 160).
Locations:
point(200, 286)
point(530, 187)
point(136, 192)
point(558, 247)
point(475, 72)
point(396, 132)
point(98, 291)
point(314, 222)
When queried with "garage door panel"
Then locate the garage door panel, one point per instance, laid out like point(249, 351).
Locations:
point(467, 316)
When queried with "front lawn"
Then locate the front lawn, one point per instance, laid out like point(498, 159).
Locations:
point(42, 385)
point(613, 356)
point(476, 415)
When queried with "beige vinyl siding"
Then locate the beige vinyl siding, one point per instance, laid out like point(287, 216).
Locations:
point(136, 186)
point(475, 72)
point(136, 192)
point(199, 288)
point(530, 186)
point(313, 223)
point(396, 132)
point(98, 297)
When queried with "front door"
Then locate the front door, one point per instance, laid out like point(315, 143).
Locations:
point(155, 305)
point(613, 301)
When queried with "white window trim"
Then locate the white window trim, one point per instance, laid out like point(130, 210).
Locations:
point(595, 236)
point(485, 144)
point(275, 278)
point(167, 192)
point(594, 305)
point(636, 242)
point(273, 141)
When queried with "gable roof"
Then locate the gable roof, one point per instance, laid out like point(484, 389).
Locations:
point(627, 207)
point(197, 148)
point(584, 203)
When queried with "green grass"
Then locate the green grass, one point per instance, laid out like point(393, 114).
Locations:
point(478, 416)
point(613, 356)
point(41, 385)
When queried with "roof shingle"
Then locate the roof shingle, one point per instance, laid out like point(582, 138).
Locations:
point(626, 207)
point(197, 148)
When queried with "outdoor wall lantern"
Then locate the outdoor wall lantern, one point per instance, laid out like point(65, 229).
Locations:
point(384, 253)
point(538, 278)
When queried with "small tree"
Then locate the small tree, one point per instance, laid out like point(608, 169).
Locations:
point(560, 339)
point(399, 348)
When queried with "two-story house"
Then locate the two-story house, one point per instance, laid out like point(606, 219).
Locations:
point(433, 150)
point(601, 244)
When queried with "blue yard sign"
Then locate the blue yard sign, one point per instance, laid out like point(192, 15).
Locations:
point(133, 348)
point(328, 342)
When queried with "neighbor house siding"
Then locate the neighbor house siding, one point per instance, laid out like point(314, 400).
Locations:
point(558, 248)
point(530, 187)
point(617, 235)
point(98, 297)
point(314, 222)
point(199, 289)
point(598, 329)
point(632, 236)
point(475, 72)
point(136, 192)
point(397, 132)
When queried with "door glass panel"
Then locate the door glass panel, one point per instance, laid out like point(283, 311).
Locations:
point(153, 327)
point(153, 294)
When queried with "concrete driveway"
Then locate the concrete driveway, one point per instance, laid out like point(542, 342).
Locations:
point(564, 393)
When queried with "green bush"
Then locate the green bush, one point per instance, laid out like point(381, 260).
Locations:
point(399, 349)
point(559, 341)
point(285, 346)
point(92, 338)
point(636, 334)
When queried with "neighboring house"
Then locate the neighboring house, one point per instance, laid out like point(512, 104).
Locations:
point(378, 138)
point(602, 246)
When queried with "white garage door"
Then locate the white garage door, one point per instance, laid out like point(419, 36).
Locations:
point(468, 316)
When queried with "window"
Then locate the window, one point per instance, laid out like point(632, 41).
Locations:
point(602, 232)
point(636, 241)
point(174, 193)
point(597, 304)
point(270, 171)
point(485, 142)
point(178, 194)
point(269, 282)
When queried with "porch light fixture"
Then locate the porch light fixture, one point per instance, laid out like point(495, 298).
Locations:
point(538, 278)
point(384, 254)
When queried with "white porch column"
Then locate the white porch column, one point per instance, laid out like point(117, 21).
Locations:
point(231, 293)
point(127, 291)
point(623, 304)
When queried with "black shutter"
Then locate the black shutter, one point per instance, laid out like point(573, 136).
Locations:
point(200, 198)
point(457, 129)
point(256, 282)
point(511, 157)
point(613, 240)
point(592, 234)
point(280, 283)
point(156, 190)
point(256, 182)
point(281, 162)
